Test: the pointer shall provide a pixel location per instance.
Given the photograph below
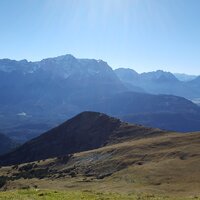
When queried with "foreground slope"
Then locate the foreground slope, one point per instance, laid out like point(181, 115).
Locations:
point(86, 131)
point(75, 195)
point(121, 157)
point(165, 164)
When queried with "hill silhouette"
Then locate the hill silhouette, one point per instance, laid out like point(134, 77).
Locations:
point(86, 131)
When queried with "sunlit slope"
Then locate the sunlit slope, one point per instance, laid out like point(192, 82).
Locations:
point(164, 164)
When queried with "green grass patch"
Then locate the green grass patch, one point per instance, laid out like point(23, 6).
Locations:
point(78, 195)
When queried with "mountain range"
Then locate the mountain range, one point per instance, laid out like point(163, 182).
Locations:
point(160, 82)
point(37, 96)
point(185, 77)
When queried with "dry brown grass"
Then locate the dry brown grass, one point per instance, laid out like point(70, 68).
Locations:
point(168, 164)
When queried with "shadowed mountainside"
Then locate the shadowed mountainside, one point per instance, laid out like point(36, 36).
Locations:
point(86, 131)
point(6, 144)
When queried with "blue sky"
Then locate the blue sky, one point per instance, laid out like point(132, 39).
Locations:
point(141, 34)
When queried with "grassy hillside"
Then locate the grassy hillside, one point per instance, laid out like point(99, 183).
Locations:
point(166, 165)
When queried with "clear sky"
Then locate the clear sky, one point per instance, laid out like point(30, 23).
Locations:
point(141, 34)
